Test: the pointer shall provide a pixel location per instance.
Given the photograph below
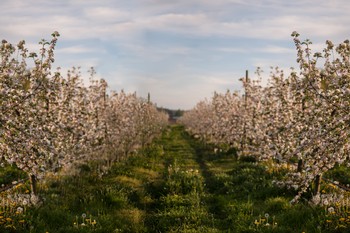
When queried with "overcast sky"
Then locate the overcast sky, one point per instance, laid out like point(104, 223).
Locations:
point(180, 51)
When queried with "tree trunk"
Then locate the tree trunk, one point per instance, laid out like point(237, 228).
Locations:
point(317, 188)
point(300, 165)
point(33, 184)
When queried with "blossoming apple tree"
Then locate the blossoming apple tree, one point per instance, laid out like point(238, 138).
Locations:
point(49, 122)
point(301, 120)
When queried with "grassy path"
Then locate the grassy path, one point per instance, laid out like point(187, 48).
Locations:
point(176, 184)
point(197, 191)
point(181, 206)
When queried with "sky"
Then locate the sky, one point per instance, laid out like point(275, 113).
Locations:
point(179, 51)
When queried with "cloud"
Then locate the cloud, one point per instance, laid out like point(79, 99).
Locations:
point(106, 14)
point(277, 50)
point(272, 49)
point(77, 50)
point(267, 19)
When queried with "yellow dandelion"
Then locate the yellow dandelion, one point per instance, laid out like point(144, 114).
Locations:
point(21, 221)
point(328, 220)
point(8, 219)
point(342, 219)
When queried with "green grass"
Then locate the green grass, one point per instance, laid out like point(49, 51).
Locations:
point(177, 184)
point(10, 173)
